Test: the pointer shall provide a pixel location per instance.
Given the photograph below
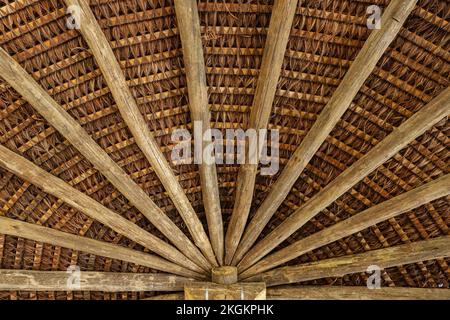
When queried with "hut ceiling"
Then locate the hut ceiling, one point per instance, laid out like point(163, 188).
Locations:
point(94, 93)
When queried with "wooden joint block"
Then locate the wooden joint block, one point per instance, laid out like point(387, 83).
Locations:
point(214, 291)
point(224, 275)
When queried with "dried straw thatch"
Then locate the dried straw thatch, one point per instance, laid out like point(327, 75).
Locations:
point(325, 37)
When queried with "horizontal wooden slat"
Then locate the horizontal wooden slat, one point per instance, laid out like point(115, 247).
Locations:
point(62, 121)
point(78, 200)
point(360, 69)
point(128, 108)
point(419, 123)
point(191, 41)
point(283, 13)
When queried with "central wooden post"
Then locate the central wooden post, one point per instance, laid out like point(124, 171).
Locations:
point(224, 286)
point(224, 275)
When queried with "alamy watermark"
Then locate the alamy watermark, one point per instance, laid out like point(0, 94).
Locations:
point(74, 278)
point(374, 19)
point(374, 280)
point(237, 146)
point(74, 19)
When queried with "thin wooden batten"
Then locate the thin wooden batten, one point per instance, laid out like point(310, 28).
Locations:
point(57, 187)
point(60, 119)
point(360, 69)
point(283, 13)
point(108, 64)
point(337, 267)
point(355, 293)
point(31, 280)
point(370, 217)
point(38, 233)
point(189, 27)
point(412, 128)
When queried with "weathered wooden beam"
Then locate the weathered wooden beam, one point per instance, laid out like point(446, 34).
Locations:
point(283, 13)
point(378, 213)
point(38, 233)
point(338, 267)
point(355, 293)
point(412, 128)
point(61, 120)
point(169, 296)
point(106, 60)
point(78, 200)
point(224, 275)
point(189, 26)
point(214, 291)
point(30, 280)
point(374, 47)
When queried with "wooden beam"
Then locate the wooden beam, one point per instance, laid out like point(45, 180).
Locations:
point(378, 213)
point(169, 296)
point(338, 267)
point(374, 47)
point(412, 128)
point(339, 293)
point(224, 275)
point(106, 60)
point(61, 120)
point(189, 27)
point(30, 280)
point(38, 233)
point(214, 291)
point(283, 13)
point(355, 293)
point(78, 200)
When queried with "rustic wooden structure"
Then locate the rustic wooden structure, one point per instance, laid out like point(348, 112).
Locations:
point(93, 207)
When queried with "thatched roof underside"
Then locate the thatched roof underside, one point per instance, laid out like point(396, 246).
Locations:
point(326, 36)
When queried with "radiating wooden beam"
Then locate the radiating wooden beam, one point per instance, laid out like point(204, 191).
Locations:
point(374, 47)
point(376, 214)
point(189, 26)
point(61, 120)
point(412, 128)
point(106, 60)
point(355, 293)
point(283, 13)
point(78, 200)
point(338, 267)
point(38, 233)
point(30, 280)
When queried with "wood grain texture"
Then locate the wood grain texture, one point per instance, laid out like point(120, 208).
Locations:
point(378, 213)
point(169, 296)
point(135, 121)
point(412, 128)
point(337, 267)
point(224, 275)
point(63, 239)
point(31, 280)
point(189, 26)
point(360, 69)
point(354, 293)
point(283, 13)
point(55, 186)
point(214, 291)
